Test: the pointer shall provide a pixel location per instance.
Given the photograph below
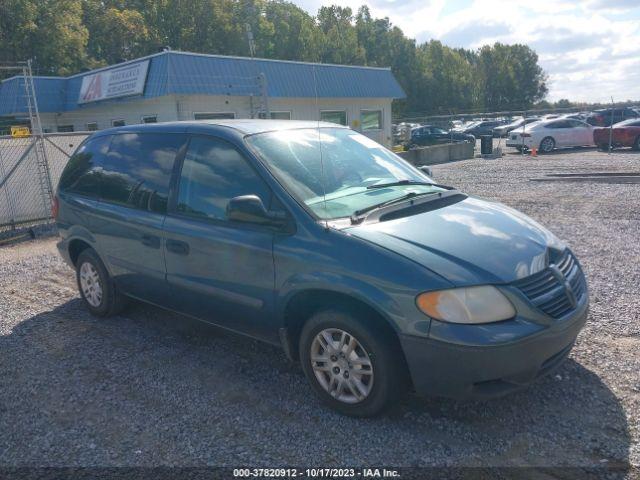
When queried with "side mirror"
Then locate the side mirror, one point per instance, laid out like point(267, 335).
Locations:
point(426, 170)
point(250, 209)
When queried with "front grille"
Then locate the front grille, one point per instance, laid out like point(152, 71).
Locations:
point(558, 288)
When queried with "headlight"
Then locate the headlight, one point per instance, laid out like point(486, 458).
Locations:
point(483, 304)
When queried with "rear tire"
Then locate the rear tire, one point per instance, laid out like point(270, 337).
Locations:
point(603, 147)
point(352, 368)
point(636, 145)
point(547, 145)
point(97, 289)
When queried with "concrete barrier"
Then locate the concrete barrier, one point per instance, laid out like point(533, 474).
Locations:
point(434, 154)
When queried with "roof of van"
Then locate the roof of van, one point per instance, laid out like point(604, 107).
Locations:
point(244, 126)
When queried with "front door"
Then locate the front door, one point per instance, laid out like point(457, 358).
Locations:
point(582, 133)
point(218, 270)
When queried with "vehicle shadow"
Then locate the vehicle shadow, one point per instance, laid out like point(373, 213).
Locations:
point(560, 151)
point(154, 388)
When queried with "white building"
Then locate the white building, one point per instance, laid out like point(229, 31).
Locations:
point(174, 85)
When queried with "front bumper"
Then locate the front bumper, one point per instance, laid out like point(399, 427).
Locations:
point(476, 372)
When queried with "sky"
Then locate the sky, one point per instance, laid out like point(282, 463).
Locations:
point(588, 48)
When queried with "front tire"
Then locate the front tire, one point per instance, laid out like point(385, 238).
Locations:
point(352, 368)
point(636, 145)
point(547, 145)
point(96, 287)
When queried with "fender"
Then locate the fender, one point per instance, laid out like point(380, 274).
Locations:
point(76, 232)
point(342, 284)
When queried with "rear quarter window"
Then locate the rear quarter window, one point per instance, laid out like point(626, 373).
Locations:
point(137, 170)
point(83, 171)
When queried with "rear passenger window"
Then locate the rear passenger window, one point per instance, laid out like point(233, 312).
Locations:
point(213, 173)
point(82, 173)
point(137, 169)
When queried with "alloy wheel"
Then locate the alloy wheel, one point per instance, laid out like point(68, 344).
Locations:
point(341, 365)
point(90, 284)
point(547, 144)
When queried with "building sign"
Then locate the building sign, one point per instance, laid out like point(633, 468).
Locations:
point(20, 132)
point(116, 82)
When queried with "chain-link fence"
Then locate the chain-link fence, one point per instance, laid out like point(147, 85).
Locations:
point(25, 199)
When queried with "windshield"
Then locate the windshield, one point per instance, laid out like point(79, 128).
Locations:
point(337, 164)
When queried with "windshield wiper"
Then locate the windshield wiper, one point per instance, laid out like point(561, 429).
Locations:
point(358, 215)
point(401, 182)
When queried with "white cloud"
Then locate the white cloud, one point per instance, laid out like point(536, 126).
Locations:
point(589, 49)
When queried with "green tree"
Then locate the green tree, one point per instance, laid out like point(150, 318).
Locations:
point(51, 32)
point(115, 35)
point(340, 40)
point(563, 103)
point(446, 79)
point(66, 36)
point(510, 77)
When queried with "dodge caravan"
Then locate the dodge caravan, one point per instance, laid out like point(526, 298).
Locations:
point(311, 236)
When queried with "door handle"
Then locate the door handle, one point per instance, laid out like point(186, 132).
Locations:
point(150, 241)
point(178, 247)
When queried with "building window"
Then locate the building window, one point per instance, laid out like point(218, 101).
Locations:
point(92, 126)
point(334, 116)
point(118, 123)
point(371, 119)
point(150, 119)
point(280, 115)
point(213, 115)
point(65, 128)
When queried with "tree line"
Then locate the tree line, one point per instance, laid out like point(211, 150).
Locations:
point(69, 36)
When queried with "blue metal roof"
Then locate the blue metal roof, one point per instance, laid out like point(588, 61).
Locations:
point(49, 93)
point(192, 73)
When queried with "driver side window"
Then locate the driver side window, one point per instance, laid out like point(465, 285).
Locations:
point(213, 172)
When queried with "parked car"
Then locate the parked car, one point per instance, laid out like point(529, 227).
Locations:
point(464, 125)
point(622, 134)
point(483, 127)
point(432, 135)
point(402, 132)
point(311, 236)
point(503, 130)
point(550, 134)
point(582, 116)
point(610, 116)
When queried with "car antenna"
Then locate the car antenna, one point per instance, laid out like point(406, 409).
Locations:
point(323, 179)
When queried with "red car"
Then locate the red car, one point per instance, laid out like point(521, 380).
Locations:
point(623, 134)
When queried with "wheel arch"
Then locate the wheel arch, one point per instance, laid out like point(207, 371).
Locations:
point(301, 305)
point(555, 143)
point(76, 247)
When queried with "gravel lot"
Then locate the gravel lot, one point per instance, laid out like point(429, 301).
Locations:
point(152, 388)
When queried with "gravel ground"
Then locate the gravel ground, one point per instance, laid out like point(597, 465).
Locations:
point(152, 388)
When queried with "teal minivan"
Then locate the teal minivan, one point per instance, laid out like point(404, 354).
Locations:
point(313, 237)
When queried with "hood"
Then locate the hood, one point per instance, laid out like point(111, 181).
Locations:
point(473, 241)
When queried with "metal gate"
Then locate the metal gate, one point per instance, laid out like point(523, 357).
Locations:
point(30, 165)
point(30, 168)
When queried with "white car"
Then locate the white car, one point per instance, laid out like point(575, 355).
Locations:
point(549, 134)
